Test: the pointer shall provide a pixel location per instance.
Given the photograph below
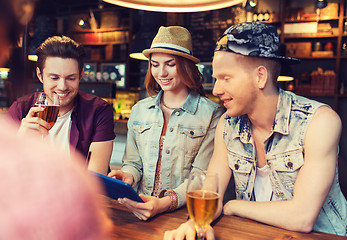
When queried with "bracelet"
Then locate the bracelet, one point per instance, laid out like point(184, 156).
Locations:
point(173, 198)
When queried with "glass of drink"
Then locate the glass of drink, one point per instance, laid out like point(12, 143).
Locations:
point(51, 105)
point(202, 199)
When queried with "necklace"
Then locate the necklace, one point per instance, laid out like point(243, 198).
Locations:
point(171, 108)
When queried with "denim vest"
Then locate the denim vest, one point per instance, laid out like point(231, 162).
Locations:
point(188, 144)
point(284, 152)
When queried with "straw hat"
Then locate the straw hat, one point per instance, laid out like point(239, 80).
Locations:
point(174, 40)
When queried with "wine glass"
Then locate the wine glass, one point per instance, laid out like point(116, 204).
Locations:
point(202, 199)
point(51, 105)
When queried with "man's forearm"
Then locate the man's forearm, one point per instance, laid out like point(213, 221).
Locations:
point(283, 214)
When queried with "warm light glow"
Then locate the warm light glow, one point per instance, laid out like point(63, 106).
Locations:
point(33, 58)
point(138, 56)
point(4, 73)
point(175, 5)
point(81, 22)
point(285, 79)
point(252, 4)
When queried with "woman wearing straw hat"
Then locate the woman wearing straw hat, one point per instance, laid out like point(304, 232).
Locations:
point(171, 132)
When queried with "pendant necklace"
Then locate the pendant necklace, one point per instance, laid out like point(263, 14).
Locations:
point(171, 108)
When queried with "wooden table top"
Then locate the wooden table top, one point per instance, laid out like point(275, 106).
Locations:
point(127, 226)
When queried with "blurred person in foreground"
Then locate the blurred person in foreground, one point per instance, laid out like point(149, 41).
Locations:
point(43, 194)
point(171, 132)
point(85, 121)
point(281, 148)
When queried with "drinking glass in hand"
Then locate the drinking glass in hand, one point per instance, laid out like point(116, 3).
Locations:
point(51, 105)
point(202, 199)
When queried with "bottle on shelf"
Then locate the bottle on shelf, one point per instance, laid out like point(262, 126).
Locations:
point(255, 16)
point(260, 17)
point(266, 16)
point(344, 48)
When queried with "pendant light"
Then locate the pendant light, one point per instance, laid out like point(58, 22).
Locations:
point(175, 5)
point(321, 4)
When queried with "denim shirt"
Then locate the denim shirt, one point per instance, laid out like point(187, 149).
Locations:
point(284, 153)
point(188, 144)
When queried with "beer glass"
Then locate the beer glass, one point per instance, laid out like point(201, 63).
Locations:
point(202, 199)
point(51, 105)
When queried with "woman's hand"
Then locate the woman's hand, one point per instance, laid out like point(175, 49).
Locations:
point(123, 176)
point(151, 206)
point(187, 231)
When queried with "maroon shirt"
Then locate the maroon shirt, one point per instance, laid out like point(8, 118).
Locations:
point(91, 119)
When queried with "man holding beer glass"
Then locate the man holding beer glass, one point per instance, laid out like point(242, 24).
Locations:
point(85, 122)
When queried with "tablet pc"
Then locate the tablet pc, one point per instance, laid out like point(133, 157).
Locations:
point(115, 188)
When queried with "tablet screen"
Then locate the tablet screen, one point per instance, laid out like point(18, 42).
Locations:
point(115, 188)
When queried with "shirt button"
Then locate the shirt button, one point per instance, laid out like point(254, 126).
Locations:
point(191, 132)
point(177, 113)
point(171, 129)
point(290, 164)
point(167, 151)
point(236, 166)
point(167, 174)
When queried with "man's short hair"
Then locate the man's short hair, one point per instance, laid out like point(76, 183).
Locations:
point(60, 46)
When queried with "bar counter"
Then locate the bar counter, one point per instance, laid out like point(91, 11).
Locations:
point(127, 226)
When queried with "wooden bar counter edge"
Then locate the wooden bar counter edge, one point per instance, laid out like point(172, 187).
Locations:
point(127, 226)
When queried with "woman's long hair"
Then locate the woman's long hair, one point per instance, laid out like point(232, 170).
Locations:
point(186, 70)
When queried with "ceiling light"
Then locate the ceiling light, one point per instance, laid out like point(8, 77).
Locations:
point(32, 57)
point(175, 5)
point(286, 74)
point(250, 5)
point(321, 4)
point(138, 55)
point(81, 22)
point(3, 69)
point(4, 73)
point(285, 78)
point(84, 23)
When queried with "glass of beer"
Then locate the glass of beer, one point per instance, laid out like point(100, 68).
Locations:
point(202, 199)
point(51, 105)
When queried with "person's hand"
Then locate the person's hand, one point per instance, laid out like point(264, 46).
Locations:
point(123, 176)
point(32, 124)
point(143, 211)
point(187, 231)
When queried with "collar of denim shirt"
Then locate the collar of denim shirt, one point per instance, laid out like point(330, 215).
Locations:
point(189, 106)
point(284, 107)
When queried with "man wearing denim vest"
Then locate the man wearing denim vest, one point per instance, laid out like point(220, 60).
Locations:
point(281, 148)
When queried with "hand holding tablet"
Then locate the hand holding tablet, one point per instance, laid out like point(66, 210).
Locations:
point(115, 188)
